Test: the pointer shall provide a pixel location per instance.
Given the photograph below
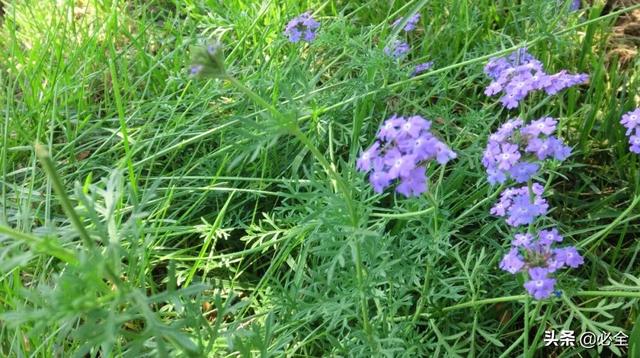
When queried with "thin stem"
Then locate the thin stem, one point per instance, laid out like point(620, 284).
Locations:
point(525, 333)
point(58, 187)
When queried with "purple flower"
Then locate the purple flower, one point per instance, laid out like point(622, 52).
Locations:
point(546, 126)
point(568, 256)
point(522, 240)
point(399, 164)
point(523, 211)
point(517, 206)
point(631, 121)
point(534, 254)
point(519, 74)
point(508, 156)
point(422, 67)
point(443, 153)
point(302, 28)
point(509, 153)
point(397, 49)
point(390, 127)
point(548, 237)
point(522, 172)
point(575, 5)
point(379, 180)
point(560, 151)
point(634, 141)
point(510, 100)
point(411, 23)
point(196, 69)
point(414, 183)
point(563, 80)
point(365, 162)
point(539, 286)
point(512, 262)
point(414, 126)
point(400, 153)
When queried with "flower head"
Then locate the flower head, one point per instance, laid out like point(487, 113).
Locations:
point(540, 286)
point(302, 28)
point(411, 23)
point(536, 255)
point(512, 153)
point(518, 74)
point(422, 67)
point(397, 49)
point(631, 121)
point(403, 146)
point(207, 60)
point(518, 206)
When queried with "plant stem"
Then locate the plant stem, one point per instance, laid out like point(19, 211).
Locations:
point(58, 187)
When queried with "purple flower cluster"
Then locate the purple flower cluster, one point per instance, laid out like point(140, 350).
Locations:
point(521, 206)
point(422, 67)
point(512, 153)
point(403, 147)
point(302, 28)
point(536, 256)
point(397, 49)
point(520, 73)
point(631, 121)
point(411, 23)
point(575, 5)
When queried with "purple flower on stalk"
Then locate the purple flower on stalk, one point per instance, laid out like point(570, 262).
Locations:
point(569, 256)
point(365, 162)
point(519, 74)
point(414, 183)
point(513, 154)
point(411, 23)
point(512, 262)
point(397, 49)
point(634, 142)
point(401, 151)
point(575, 5)
point(196, 69)
point(522, 240)
point(302, 28)
point(523, 171)
point(631, 121)
point(422, 67)
point(546, 126)
point(535, 255)
point(518, 207)
point(540, 286)
point(548, 237)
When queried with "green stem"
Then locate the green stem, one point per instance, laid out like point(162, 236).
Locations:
point(623, 294)
point(58, 187)
point(525, 333)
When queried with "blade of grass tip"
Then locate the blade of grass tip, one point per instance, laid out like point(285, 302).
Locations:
point(58, 187)
point(42, 245)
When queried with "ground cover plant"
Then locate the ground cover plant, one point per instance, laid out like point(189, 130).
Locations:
point(319, 178)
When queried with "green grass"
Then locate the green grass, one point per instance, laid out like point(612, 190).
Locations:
point(164, 215)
